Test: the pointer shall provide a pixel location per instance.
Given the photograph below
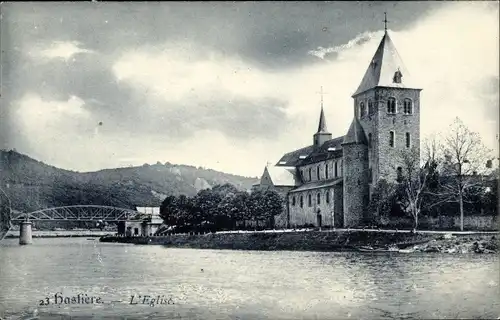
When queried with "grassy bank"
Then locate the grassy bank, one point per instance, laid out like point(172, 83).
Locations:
point(320, 241)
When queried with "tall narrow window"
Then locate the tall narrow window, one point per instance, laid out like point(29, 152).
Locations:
point(408, 140)
point(301, 201)
point(336, 169)
point(317, 172)
point(309, 200)
point(370, 107)
point(362, 110)
point(391, 138)
point(327, 196)
point(391, 105)
point(326, 170)
point(407, 107)
point(293, 201)
point(310, 174)
point(370, 140)
point(318, 198)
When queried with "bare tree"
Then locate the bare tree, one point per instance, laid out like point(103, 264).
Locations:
point(464, 162)
point(413, 182)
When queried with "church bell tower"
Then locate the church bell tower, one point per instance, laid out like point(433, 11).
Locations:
point(387, 106)
point(322, 135)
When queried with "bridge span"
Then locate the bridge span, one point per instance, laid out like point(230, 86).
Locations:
point(78, 213)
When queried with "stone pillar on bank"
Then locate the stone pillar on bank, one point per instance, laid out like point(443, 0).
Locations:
point(25, 236)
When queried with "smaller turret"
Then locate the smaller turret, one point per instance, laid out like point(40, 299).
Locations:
point(322, 135)
point(356, 175)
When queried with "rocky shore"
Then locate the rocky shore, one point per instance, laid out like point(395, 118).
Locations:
point(325, 241)
point(461, 244)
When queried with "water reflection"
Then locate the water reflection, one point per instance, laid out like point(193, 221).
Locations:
point(245, 284)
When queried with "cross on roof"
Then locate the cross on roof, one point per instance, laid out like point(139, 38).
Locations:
point(385, 21)
point(321, 93)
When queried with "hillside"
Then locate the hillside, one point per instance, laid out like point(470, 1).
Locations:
point(31, 184)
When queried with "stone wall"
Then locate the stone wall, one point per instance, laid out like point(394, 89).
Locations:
point(312, 240)
point(383, 158)
point(388, 158)
point(355, 183)
point(331, 164)
point(481, 223)
point(308, 214)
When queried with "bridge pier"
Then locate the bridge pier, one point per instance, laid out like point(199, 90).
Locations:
point(25, 235)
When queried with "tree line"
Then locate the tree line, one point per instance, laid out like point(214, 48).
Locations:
point(222, 207)
point(454, 176)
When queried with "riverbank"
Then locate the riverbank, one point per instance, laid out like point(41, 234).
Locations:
point(326, 241)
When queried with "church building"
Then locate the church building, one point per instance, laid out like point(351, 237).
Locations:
point(330, 182)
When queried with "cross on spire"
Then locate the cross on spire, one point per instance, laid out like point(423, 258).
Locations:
point(321, 93)
point(385, 21)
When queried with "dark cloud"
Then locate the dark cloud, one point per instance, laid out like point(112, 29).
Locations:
point(270, 35)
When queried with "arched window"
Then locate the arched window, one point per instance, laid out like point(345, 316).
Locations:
point(362, 110)
point(391, 105)
point(309, 200)
point(301, 201)
point(310, 173)
point(369, 140)
point(318, 198)
point(326, 170)
point(370, 107)
point(391, 138)
point(407, 107)
point(408, 140)
point(293, 201)
point(318, 173)
point(327, 196)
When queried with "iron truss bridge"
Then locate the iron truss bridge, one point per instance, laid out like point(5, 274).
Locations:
point(79, 213)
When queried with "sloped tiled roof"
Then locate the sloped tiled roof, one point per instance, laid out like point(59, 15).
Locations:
point(292, 159)
point(311, 154)
point(283, 176)
point(384, 64)
point(355, 134)
point(318, 184)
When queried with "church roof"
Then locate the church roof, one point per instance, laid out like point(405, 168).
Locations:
point(322, 122)
point(318, 184)
point(283, 176)
point(355, 134)
point(383, 68)
point(330, 149)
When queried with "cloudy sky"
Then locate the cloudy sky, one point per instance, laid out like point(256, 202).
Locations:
point(228, 86)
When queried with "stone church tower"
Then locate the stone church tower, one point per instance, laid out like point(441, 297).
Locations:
point(329, 183)
point(356, 175)
point(387, 105)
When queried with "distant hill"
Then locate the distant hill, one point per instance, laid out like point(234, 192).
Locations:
point(32, 185)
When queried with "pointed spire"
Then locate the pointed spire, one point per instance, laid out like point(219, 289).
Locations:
point(386, 68)
point(322, 122)
point(355, 134)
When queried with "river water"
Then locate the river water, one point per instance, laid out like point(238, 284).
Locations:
point(225, 284)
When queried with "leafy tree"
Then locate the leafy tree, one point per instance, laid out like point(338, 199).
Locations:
point(383, 198)
point(264, 205)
